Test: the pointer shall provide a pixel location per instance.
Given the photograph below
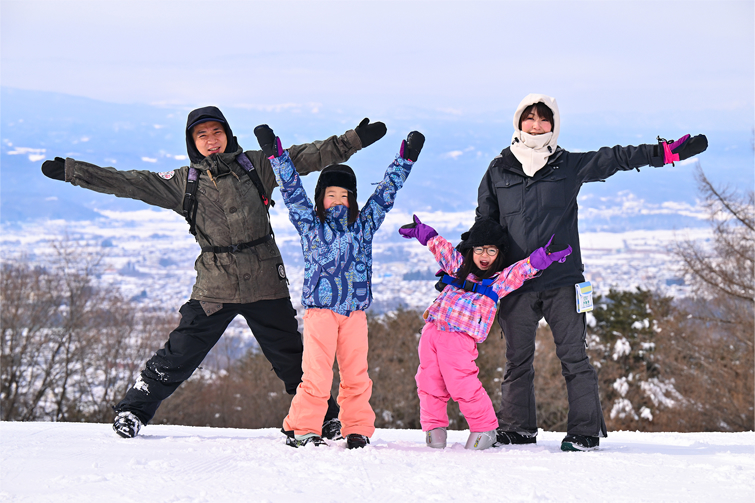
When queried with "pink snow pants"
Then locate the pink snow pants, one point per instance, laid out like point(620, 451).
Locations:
point(446, 370)
point(327, 335)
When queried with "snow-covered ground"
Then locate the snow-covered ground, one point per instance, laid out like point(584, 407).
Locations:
point(62, 462)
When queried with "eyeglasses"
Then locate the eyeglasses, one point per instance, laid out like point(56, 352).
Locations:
point(491, 251)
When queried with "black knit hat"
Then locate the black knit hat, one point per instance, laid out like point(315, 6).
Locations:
point(336, 175)
point(485, 232)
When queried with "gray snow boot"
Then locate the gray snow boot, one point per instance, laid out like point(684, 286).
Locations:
point(126, 424)
point(478, 441)
point(436, 438)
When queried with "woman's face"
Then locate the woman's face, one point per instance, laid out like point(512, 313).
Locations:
point(335, 196)
point(534, 124)
point(484, 256)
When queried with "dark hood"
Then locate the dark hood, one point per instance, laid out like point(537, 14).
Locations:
point(205, 114)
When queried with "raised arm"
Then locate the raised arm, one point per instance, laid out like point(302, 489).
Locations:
point(314, 156)
point(301, 211)
point(515, 275)
point(381, 201)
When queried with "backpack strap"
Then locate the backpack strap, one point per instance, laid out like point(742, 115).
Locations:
point(255, 178)
point(189, 206)
point(485, 288)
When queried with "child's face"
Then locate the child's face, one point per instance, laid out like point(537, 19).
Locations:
point(534, 124)
point(484, 256)
point(335, 196)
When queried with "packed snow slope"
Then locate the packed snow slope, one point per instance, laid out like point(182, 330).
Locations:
point(67, 462)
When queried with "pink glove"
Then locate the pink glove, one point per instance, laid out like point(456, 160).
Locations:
point(545, 256)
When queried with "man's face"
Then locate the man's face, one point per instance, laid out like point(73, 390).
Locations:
point(210, 138)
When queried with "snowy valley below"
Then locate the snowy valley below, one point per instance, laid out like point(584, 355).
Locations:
point(149, 256)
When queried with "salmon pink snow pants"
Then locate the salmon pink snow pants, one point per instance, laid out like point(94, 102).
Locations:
point(327, 335)
point(446, 370)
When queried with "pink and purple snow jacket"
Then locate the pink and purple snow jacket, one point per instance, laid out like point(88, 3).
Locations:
point(457, 310)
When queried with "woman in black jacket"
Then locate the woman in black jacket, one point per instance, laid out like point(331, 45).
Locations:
point(531, 188)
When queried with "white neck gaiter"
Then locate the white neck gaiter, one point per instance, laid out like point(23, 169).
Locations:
point(533, 150)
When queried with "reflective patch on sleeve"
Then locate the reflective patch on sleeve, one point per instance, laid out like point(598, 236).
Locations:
point(281, 271)
point(167, 174)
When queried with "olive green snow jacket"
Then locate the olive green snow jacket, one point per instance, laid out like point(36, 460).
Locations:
point(230, 211)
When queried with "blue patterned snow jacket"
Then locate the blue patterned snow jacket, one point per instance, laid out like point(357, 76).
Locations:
point(338, 256)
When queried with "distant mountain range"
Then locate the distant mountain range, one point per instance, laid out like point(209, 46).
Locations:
point(41, 125)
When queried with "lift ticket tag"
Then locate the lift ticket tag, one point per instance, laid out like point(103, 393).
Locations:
point(584, 297)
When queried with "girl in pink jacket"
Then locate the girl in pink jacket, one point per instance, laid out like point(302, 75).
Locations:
point(460, 318)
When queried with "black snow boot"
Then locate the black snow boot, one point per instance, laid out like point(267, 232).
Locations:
point(311, 439)
point(331, 429)
point(356, 441)
point(512, 437)
point(127, 424)
point(579, 443)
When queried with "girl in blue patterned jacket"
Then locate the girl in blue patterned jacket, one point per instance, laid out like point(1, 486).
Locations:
point(336, 239)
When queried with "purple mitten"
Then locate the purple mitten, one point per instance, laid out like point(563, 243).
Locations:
point(418, 230)
point(541, 258)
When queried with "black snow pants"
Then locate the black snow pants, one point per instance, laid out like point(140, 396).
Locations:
point(519, 316)
point(273, 323)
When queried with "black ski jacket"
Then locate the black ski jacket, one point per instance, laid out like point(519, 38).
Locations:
point(533, 209)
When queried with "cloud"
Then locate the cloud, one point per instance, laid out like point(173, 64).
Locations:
point(454, 154)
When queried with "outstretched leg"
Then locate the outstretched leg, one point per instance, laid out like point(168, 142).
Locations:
point(171, 365)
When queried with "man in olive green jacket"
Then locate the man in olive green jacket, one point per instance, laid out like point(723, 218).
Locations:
point(224, 194)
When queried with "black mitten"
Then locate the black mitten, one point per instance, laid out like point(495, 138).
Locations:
point(412, 146)
point(370, 133)
point(55, 169)
point(269, 143)
point(683, 148)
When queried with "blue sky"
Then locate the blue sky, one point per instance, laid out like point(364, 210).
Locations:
point(640, 58)
point(623, 72)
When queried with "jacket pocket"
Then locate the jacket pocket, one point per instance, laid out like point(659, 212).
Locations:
point(216, 274)
point(551, 192)
point(510, 195)
point(268, 251)
point(361, 290)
